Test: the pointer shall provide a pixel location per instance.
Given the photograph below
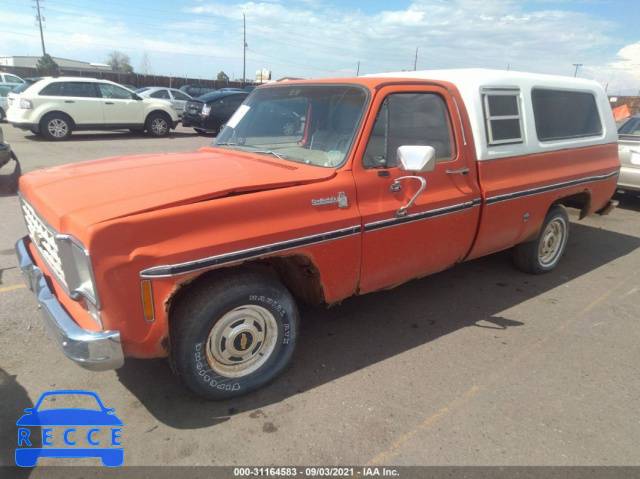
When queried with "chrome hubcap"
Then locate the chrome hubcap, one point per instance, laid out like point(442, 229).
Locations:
point(287, 129)
point(552, 241)
point(241, 341)
point(57, 128)
point(159, 126)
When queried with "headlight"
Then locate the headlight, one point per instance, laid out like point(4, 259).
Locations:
point(76, 265)
point(206, 109)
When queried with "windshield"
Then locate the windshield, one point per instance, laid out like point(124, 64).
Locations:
point(312, 124)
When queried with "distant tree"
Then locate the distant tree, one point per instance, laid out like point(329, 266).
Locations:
point(222, 76)
point(120, 61)
point(47, 63)
point(145, 64)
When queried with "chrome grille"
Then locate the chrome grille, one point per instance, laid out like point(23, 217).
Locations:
point(43, 237)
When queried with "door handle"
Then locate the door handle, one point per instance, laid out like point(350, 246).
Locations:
point(461, 171)
point(395, 187)
point(69, 101)
point(108, 103)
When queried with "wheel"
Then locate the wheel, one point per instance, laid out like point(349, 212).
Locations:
point(543, 254)
point(36, 132)
point(56, 127)
point(3, 116)
point(288, 128)
point(158, 125)
point(233, 335)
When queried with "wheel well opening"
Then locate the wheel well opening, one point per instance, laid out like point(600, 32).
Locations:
point(158, 112)
point(297, 273)
point(580, 201)
point(72, 124)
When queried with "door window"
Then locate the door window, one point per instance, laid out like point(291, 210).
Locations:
point(113, 91)
point(409, 119)
point(180, 96)
point(163, 94)
point(80, 89)
point(12, 79)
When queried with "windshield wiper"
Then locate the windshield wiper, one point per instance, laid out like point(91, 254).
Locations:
point(269, 152)
point(230, 145)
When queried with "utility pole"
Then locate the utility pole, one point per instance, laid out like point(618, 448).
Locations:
point(577, 65)
point(40, 18)
point(415, 62)
point(244, 50)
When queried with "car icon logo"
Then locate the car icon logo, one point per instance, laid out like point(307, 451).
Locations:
point(71, 432)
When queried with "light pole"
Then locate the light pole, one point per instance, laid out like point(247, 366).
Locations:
point(577, 65)
point(244, 49)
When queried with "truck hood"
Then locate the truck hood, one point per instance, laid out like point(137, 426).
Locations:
point(73, 197)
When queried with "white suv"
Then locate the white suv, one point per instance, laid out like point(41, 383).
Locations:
point(54, 107)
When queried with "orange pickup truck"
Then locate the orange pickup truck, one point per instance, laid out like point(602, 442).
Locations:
point(198, 256)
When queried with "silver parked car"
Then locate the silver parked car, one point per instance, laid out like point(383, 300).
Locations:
point(174, 96)
point(629, 153)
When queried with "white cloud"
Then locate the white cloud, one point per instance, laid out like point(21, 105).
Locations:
point(309, 38)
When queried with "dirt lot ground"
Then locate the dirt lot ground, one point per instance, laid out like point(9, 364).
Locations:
point(480, 365)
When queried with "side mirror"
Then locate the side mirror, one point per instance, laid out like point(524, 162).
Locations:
point(137, 97)
point(416, 158)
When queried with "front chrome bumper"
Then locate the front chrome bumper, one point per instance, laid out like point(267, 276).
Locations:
point(93, 350)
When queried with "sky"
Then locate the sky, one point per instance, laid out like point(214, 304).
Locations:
point(338, 38)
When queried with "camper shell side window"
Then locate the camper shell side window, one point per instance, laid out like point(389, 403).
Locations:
point(564, 114)
point(503, 116)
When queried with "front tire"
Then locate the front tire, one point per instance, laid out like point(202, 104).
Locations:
point(233, 335)
point(543, 254)
point(56, 127)
point(158, 125)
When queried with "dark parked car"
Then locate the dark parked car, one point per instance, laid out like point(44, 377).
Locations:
point(196, 90)
point(210, 112)
point(6, 155)
point(282, 118)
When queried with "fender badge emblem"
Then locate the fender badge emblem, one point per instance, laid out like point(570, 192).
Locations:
point(341, 200)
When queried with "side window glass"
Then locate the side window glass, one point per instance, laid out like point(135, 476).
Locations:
point(503, 117)
point(112, 91)
point(409, 119)
point(13, 79)
point(54, 89)
point(631, 127)
point(561, 114)
point(163, 94)
point(80, 89)
point(180, 96)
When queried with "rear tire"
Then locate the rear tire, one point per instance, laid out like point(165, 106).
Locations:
point(56, 127)
point(233, 335)
point(543, 254)
point(3, 115)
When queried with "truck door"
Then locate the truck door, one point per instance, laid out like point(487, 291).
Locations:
point(438, 228)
